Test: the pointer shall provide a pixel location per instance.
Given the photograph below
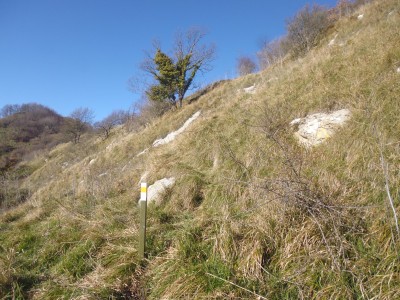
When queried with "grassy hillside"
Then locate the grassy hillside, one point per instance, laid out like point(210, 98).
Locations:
point(27, 130)
point(253, 215)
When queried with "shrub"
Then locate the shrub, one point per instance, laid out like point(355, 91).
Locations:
point(144, 113)
point(272, 52)
point(305, 29)
point(245, 65)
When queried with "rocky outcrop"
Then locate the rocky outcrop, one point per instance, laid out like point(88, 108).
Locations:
point(171, 136)
point(250, 89)
point(316, 128)
point(158, 188)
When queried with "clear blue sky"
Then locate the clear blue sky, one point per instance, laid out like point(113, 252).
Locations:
point(67, 54)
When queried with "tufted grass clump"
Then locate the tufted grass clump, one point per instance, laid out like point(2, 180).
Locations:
point(253, 215)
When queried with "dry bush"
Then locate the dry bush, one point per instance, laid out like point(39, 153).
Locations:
point(345, 8)
point(144, 113)
point(305, 29)
point(245, 65)
point(271, 53)
point(80, 121)
point(105, 126)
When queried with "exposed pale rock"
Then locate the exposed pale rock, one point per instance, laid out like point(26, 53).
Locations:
point(332, 41)
point(172, 136)
point(316, 128)
point(360, 17)
point(126, 166)
point(143, 152)
point(92, 161)
point(103, 174)
point(158, 188)
point(272, 79)
point(250, 89)
point(111, 146)
point(398, 70)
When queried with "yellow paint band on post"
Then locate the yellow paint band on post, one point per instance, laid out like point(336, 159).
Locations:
point(143, 191)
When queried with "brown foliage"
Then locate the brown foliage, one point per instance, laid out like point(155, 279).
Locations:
point(245, 65)
point(306, 28)
point(26, 129)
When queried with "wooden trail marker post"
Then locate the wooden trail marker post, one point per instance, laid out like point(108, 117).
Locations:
point(143, 211)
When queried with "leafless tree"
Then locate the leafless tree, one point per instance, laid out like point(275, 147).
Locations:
point(9, 110)
point(271, 52)
point(80, 121)
point(189, 58)
point(117, 117)
point(245, 65)
point(306, 27)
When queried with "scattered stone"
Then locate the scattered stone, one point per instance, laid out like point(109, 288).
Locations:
point(398, 70)
point(316, 128)
point(92, 161)
point(143, 152)
point(250, 89)
point(332, 41)
point(171, 136)
point(125, 166)
point(64, 165)
point(360, 17)
point(216, 162)
point(158, 188)
point(110, 146)
point(103, 174)
point(272, 79)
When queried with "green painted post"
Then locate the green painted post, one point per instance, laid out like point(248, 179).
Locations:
point(143, 211)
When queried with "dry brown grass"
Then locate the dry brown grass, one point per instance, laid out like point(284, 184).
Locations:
point(250, 206)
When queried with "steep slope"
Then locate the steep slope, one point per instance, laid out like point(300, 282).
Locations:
point(27, 130)
point(252, 214)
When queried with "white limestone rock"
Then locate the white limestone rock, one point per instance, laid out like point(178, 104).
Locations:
point(332, 41)
point(250, 89)
point(172, 136)
point(143, 152)
point(316, 128)
point(158, 188)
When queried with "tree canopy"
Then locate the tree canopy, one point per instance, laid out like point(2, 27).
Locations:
point(174, 75)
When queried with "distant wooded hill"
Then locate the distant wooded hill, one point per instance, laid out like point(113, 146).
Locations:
point(27, 128)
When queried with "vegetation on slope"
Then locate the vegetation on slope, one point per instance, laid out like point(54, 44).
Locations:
point(253, 214)
point(24, 131)
point(30, 128)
